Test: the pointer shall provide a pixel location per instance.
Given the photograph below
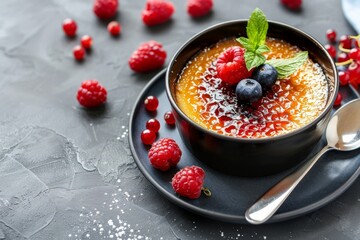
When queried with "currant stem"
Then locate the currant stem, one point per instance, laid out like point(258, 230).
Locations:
point(346, 50)
point(206, 191)
point(344, 63)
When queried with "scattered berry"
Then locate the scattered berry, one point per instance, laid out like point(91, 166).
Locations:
point(151, 103)
point(188, 182)
point(355, 54)
point(69, 27)
point(169, 118)
point(266, 75)
point(199, 8)
point(105, 9)
point(338, 100)
point(331, 35)
point(149, 56)
point(148, 137)
point(354, 72)
point(248, 90)
point(79, 53)
point(91, 94)
point(342, 57)
point(114, 28)
point(345, 41)
point(157, 12)
point(292, 4)
point(331, 50)
point(153, 125)
point(231, 66)
point(86, 42)
point(164, 154)
point(344, 78)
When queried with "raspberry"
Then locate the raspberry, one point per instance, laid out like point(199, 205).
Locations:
point(231, 66)
point(114, 28)
point(149, 56)
point(157, 12)
point(164, 154)
point(91, 94)
point(188, 182)
point(86, 42)
point(199, 8)
point(105, 9)
point(79, 53)
point(292, 4)
point(69, 27)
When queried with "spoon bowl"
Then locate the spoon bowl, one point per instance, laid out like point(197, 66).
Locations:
point(342, 134)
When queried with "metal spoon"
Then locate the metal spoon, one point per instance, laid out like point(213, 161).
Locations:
point(342, 133)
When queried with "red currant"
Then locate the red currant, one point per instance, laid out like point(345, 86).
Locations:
point(338, 100)
point(151, 103)
point(86, 42)
point(169, 118)
point(354, 72)
point(346, 41)
point(331, 35)
point(114, 28)
point(69, 27)
point(355, 54)
point(79, 53)
point(357, 43)
point(148, 137)
point(344, 78)
point(331, 50)
point(153, 125)
point(342, 57)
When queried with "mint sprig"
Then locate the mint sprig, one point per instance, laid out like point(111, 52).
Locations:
point(286, 67)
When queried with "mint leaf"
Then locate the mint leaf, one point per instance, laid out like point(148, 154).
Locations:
point(262, 49)
point(253, 60)
point(247, 44)
point(288, 66)
point(257, 27)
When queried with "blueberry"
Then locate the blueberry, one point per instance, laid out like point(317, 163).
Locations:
point(248, 90)
point(266, 75)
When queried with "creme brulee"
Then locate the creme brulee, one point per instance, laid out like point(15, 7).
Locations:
point(290, 104)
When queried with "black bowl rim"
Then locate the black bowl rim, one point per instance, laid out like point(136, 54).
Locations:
point(252, 140)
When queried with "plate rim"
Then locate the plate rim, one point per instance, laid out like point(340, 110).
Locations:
point(214, 214)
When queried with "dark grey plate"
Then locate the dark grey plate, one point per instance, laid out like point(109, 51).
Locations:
point(232, 195)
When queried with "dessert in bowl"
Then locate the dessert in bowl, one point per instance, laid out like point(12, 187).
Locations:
point(260, 137)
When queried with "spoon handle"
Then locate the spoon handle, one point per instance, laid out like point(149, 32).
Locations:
point(267, 205)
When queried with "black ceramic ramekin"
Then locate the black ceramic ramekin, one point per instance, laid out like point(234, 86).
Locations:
point(250, 157)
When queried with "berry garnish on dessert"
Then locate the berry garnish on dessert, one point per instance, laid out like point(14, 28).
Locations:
point(105, 9)
point(188, 182)
point(169, 118)
point(149, 56)
point(248, 90)
point(69, 27)
point(91, 94)
point(199, 8)
point(292, 4)
point(151, 103)
point(164, 154)
point(153, 125)
point(114, 28)
point(266, 75)
point(86, 42)
point(148, 137)
point(157, 12)
point(231, 66)
point(79, 53)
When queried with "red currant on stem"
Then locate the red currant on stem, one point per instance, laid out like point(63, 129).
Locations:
point(342, 57)
point(169, 118)
point(153, 125)
point(148, 137)
point(79, 53)
point(69, 27)
point(331, 50)
point(355, 54)
point(354, 72)
point(338, 100)
point(114, 28)
point(86, 42)
point(151, 103)
point(345, 42)
point(331, 35)
point(344, 78)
